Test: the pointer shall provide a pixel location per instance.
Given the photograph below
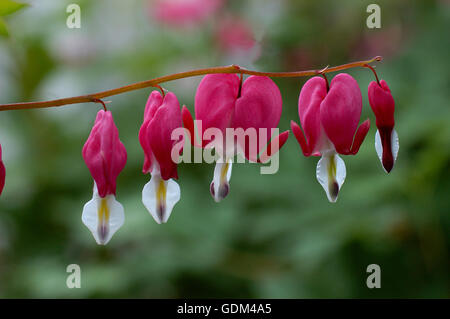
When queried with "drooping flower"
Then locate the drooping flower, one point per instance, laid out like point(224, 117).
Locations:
point(330, 119)
point(2, 172)
point(184, 12)
point(105, 156)
point(162, 116)
point(386, 138)
point(223, 103)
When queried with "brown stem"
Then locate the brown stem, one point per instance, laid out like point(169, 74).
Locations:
point(171, 77)
point(374, 72)
point(326, 80)
point(101, 102)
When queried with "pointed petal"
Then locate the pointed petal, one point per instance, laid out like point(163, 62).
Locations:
point(103, 217)
point(274, 146)
point(360, 136)
point(220, 187)
point(340, 112)
point(159, 197)
point(331, 174)
point(188, 123)
point(387, 146)
point(300, 138)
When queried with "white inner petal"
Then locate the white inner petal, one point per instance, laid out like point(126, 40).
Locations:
point(378, 146)
point(394, 144)
point(331, 174)
point(160, 196)
point(103, 217)
point(221, 179)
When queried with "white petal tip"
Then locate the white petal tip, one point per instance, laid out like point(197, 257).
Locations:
point(221, 193)
point(333, 192)
point(159, 197)
point(103, 217)
point(331, 174)
point(220, 187)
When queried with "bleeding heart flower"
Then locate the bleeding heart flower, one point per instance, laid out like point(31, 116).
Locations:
point(184, 12)
point(386, 138)
point(161, 117)
point(222, 103)
point(330, 120)
point(2, 172)
point(235, 37)
point(105, 156)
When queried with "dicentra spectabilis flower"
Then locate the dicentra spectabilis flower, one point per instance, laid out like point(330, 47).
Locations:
point(330, 119)
point(162, 116)
point(235, 38)
point(184, 12)
point(105, 156)
point(2, 172)
point(222, 102)
point(386, 138)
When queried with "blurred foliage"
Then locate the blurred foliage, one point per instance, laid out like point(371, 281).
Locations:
point(275, 236)
point(8, 7)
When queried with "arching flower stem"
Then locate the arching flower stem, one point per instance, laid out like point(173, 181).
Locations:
point(374, 72)
point(171, 77)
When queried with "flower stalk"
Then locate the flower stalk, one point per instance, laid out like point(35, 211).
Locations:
point(95, 97)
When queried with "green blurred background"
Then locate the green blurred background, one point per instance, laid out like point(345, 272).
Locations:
point(274, 236)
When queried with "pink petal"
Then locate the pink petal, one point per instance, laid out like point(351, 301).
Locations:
point(159, 131)
point(215, 101)
point(360, 136)
point(274, 146)
point(311, 96)
point(340, 112)
point(382, 103)
point(259, 106)
point(154, 101)
point(188, 123)
point(104, 153)
point(300, 138)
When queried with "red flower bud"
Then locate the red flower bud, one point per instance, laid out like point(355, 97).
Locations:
point(162, 116)
point(2, 172)
point(105, 156)
point(386, 139)
point(104, 153)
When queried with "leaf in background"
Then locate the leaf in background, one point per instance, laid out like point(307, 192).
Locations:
point(36, 65)
point(3, 28)
point(9, 6)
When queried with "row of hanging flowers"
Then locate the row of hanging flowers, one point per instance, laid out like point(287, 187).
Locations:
point(329, 115)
